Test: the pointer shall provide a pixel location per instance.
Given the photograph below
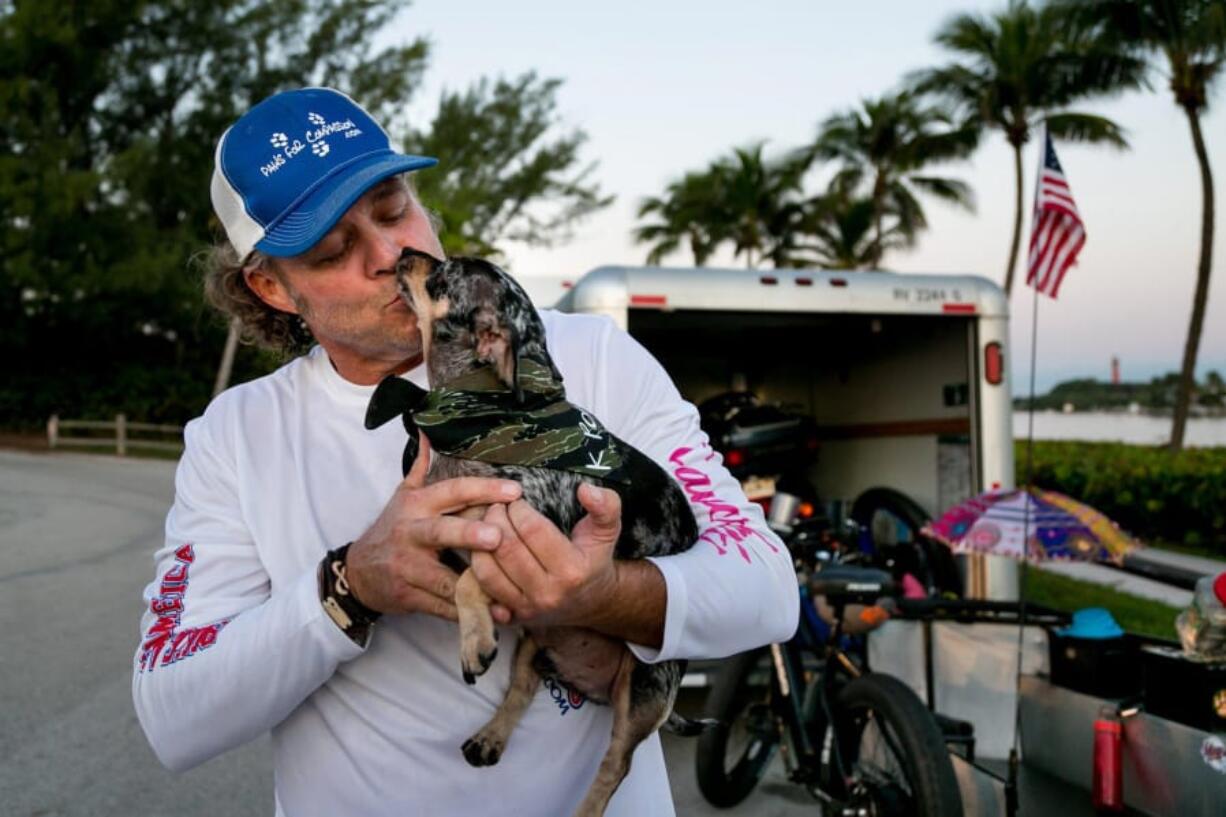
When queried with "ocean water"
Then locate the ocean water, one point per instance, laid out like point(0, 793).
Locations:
point(1101, 426)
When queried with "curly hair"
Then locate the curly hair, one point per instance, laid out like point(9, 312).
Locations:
point(225, 287)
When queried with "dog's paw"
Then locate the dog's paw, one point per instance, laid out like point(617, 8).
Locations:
point(476, 657)
point(481, 750)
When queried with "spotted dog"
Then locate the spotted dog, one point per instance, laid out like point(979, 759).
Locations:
point(497, 407)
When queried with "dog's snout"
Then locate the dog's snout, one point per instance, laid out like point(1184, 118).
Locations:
point(415, 263)
point(418, 269)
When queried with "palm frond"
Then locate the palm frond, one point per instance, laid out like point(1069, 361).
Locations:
point(879, 147)
point(953, 191)
point(1084, 127)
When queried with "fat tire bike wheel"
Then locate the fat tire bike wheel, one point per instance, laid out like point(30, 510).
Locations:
point(733, 756)
point(892, 751)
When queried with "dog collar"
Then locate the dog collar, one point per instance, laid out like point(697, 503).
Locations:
point(476, 417)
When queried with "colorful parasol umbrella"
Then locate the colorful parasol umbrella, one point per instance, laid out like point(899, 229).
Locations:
point(1053, 527)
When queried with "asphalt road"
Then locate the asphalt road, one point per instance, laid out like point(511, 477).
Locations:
point(77, 534)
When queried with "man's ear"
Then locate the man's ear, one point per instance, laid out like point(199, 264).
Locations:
point(498, 345)
point(269, 288)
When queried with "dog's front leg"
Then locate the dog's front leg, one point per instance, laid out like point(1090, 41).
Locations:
point(485, 748)
point(478, 638)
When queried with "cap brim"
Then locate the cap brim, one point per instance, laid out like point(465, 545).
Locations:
point(298, 231)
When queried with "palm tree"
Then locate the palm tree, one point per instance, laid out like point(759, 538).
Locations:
point(1022, 66)
point(1191, 35)
point(686, 214)
point(744, 199)
point(883, 145)
point(761, 204)
point(842, 233)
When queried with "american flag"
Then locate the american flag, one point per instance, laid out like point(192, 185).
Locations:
point(1056, 231)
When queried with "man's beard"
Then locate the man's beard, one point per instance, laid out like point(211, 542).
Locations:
point(347, 325)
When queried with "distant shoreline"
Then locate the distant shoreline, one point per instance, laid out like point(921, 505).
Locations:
point(1155, 398)
point(1117, 427)
point(1195, 412)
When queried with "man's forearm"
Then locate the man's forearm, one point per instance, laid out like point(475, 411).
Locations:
point(635, 607)
point(217, 695)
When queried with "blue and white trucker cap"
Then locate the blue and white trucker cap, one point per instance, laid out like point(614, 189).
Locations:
point(292, 165)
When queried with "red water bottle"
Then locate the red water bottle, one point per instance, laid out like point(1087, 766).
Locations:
point(1107, 788)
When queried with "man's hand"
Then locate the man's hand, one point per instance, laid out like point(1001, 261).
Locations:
point(541, 577)
point(394, 566)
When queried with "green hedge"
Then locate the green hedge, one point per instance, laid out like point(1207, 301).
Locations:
point(1150, 492)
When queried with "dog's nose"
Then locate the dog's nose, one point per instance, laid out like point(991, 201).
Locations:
point(415, 262)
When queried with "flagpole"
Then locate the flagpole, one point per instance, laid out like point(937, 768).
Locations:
point(1011, 786)
point(1034, 345)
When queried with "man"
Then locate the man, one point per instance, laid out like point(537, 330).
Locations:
point(247, 630)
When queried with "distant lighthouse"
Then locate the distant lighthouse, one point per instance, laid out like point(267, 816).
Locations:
point(1115, 371)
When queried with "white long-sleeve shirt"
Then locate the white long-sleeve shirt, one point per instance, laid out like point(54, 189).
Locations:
point(235, 643)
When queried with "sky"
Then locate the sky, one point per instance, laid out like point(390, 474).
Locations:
point(661, 88)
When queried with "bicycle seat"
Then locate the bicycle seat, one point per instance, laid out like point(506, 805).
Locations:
point(847, 584)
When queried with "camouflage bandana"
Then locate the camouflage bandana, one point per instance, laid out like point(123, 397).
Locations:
point(476, 417)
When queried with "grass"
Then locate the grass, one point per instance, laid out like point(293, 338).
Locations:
point(136, 451)
point(37, 441)
point(1134, 614)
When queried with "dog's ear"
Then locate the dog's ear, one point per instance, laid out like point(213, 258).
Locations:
point(498, 345)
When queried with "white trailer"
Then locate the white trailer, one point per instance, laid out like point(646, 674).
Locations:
point(906, 376)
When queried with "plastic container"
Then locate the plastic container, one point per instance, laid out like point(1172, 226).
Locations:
point(1202, 627)
point(1094, 656)
point(1183, 690)
point(1103, 667)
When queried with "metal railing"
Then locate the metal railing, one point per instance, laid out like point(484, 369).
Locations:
point(122, 430)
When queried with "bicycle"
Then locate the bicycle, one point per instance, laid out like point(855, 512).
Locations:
point(861, 743)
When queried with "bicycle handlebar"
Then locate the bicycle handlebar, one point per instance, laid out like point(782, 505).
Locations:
point(851, 583)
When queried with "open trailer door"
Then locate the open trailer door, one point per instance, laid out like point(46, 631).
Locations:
point(905, 376)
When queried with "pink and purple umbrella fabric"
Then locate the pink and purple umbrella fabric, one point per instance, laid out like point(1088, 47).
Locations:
point(1052, 527)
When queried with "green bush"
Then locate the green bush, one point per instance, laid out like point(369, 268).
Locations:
point(1152, 493)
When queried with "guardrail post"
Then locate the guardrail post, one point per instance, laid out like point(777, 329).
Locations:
point(121, 434)
point(53, 431)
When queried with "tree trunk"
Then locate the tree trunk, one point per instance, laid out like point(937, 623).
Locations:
point(878, 206)
point(1187, 375)
point(227, 358)
point(1017, 218)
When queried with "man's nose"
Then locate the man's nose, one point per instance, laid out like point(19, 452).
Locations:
point(385, 252)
